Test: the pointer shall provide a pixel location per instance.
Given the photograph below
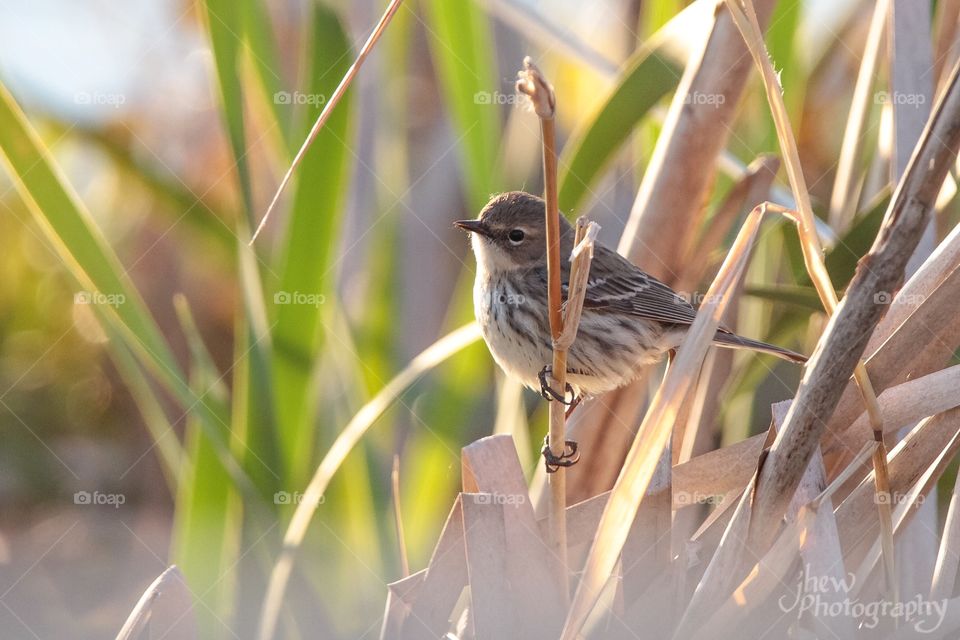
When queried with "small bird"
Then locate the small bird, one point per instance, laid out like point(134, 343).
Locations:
point(630, 319)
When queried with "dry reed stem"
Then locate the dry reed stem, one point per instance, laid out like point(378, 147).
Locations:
point(342, 446)
point(532, 83)
point(329, 107)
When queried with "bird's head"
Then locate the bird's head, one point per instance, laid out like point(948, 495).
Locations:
point(510, 232)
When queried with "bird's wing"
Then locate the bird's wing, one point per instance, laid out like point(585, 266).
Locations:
point(616, 285)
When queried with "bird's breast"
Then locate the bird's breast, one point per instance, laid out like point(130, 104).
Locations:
point(513, 326)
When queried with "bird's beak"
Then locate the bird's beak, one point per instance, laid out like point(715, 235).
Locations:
point(473, 226)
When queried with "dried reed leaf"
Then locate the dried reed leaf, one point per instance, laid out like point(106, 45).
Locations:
point(445, 579)
point(490, 466)
point(400, 597)
point(907, 507)
point(907, 462)
point(487, 562)
point(907, 403)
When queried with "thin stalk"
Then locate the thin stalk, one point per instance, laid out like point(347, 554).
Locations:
point(329, 107)
point(401, 539)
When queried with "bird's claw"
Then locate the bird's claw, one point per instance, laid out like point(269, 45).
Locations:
point(569, 457)
point(549, 393)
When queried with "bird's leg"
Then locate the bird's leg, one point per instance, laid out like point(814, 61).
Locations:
point(569, 457)
point(549, 393)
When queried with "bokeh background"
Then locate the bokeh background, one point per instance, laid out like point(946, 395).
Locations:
point(174, 121)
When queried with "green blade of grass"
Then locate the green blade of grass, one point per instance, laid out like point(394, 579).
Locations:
point(648, 76)
point(75, 238)
point(265, 64)
point(306, 255)
point(208, 516)
point(225, 27)
point(253, 416)
point(461, 44)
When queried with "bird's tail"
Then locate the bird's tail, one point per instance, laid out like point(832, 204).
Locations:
point(732, 340)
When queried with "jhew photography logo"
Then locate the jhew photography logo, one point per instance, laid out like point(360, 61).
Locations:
point(299, 297)
point(96, 498)
point(506, 499)
point(95, 297)
point(831, 597)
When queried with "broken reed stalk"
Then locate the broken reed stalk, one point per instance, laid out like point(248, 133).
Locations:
point(745, 18)
point(563, 323)
point(329, 107)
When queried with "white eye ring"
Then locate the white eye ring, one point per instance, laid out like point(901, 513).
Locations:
point(515, 236)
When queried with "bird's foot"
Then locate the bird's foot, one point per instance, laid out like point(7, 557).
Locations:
point(549, 393)
point(569, 457)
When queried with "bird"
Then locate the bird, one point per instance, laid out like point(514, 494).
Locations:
point(630, 319)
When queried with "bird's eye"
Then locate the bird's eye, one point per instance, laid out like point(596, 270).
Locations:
point(515, 236)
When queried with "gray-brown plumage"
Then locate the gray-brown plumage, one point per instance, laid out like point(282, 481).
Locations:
point(629, 320)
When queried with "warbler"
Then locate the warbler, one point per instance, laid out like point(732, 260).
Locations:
point(629, 321)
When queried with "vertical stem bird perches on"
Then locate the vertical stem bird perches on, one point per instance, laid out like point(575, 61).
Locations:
point(564, 320)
